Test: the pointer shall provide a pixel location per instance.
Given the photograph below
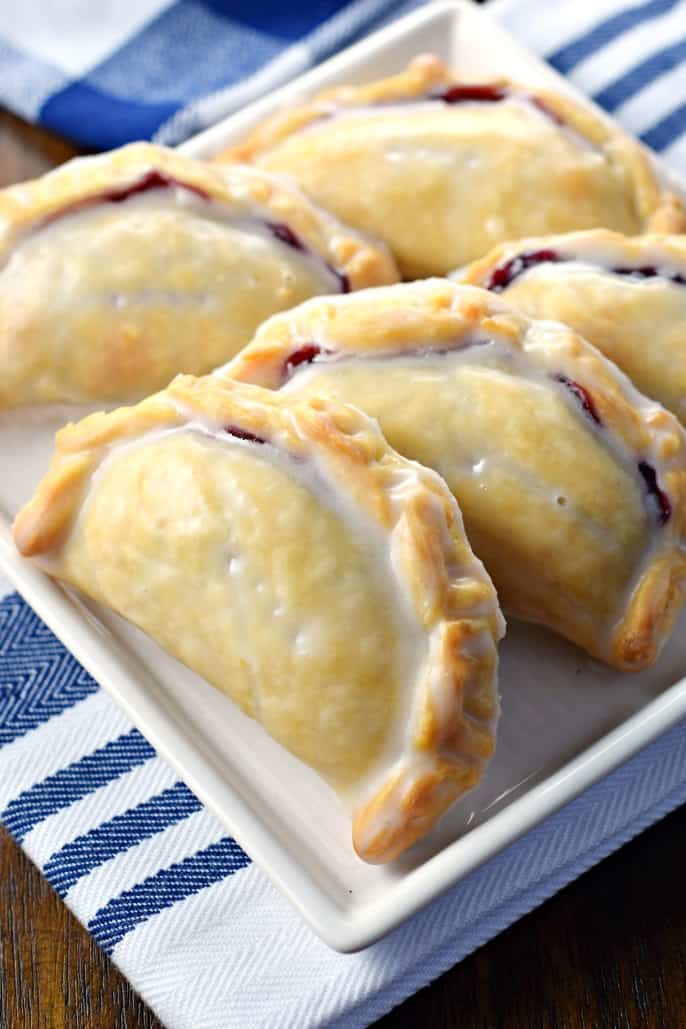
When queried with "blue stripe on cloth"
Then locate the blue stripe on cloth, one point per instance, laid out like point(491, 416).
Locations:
point(38, 677)
point(160, 63)
point(350, 24)
point(351, 21)
point(80, 856)
point(275, 18)
point(75, 781)
point(667, 131)
point(26, 83)
point(640, 76)
point(167, 887)
point(568, 56)
point(98, 120)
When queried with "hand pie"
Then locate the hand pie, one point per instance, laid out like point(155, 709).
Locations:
point(626, 296)
point(572, 485)
point(283, 551)
point(443, 170)
point(121, 270)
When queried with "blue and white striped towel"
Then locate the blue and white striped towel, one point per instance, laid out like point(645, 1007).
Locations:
point(197, 929)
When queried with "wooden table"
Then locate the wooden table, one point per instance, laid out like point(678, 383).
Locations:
point(609, 951)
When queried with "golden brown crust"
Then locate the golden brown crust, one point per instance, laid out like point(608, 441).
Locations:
point(422, 73)
point(456, 706)
point(30, 204)
point(440, 315)
point(586, 280)
point(658, 211)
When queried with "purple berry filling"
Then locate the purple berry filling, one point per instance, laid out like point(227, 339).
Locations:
point(489, 94)
point(286, 235)
point(159, 180)
point(649, 272)
point(151, 180)
point(583, 396)
point(461, 92)
point(505, 274)
point(658, 496)
point(308, 353)
point(249, 437)
point(305, 354)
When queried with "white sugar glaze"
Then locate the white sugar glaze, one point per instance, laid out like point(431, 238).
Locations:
point(250, 229)
point(422, 106)
point(399, 754)
point(543, 340)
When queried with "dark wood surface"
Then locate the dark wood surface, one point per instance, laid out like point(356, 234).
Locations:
point(608, 952)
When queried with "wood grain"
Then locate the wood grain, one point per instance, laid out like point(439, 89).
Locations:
point(27, 151)
point(608, 952)
point(52, 974)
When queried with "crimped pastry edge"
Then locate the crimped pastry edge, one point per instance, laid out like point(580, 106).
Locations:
point(441, 314)
point(455, 703)
point(24, 207)
point(658, 210)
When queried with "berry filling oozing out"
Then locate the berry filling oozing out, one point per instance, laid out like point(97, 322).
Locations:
point(286, 235)
point(582, 395)
point(657, 495)
point(151, 180)
point(505, 274)
point(305, 354)
point(483, 92)
point(249, 437)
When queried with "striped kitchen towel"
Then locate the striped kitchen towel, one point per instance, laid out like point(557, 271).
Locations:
point(109, 72)
point(103, 74)
point(196, 927)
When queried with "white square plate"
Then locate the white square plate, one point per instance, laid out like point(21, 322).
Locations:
point(566, 720)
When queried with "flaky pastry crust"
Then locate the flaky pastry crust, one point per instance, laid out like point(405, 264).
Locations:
point(273, 145)
point(624, 294)
point(438, 317)
point(452, 704)
point(106, 299)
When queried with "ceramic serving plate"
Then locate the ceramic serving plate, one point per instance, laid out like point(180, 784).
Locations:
point(566, 720)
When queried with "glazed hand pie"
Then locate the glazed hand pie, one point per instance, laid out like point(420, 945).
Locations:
point(121, 270)
point(627, 296)
point(443, 169)
point(283, 551)
point(572, 485)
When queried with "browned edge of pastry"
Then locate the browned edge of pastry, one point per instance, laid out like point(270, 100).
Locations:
point(657, 209)
point(28, 205)
point(454, 703)
point(437, 314)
